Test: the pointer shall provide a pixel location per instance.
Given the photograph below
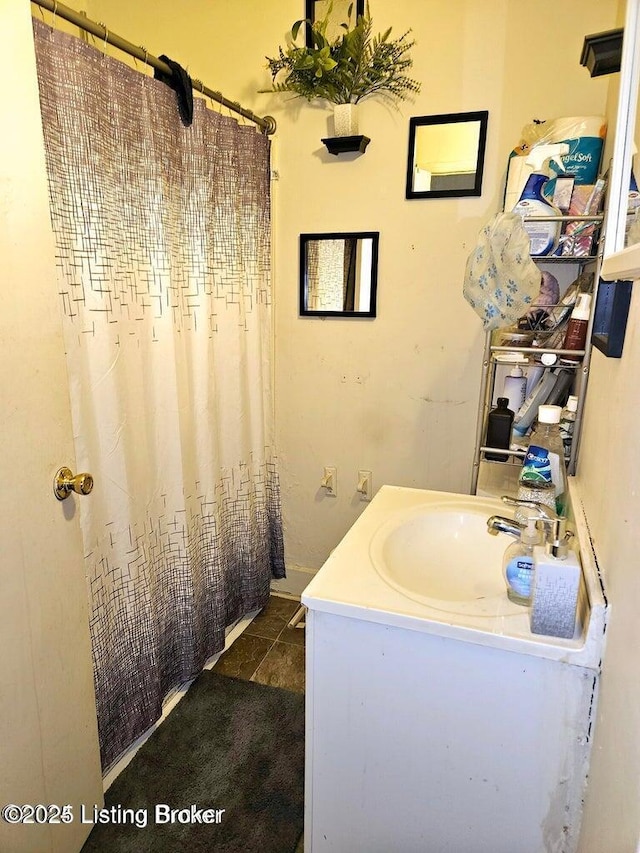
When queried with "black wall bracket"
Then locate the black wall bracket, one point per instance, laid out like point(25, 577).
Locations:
point(341, 144)
point(602, 52)
point(610, 317)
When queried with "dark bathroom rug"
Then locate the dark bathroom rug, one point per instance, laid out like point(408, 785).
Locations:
point(229, 744)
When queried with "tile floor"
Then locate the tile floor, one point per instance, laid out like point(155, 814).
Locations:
point(268, 651)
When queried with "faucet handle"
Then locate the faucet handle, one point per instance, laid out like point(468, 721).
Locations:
point(555, 526)
point(545, 513)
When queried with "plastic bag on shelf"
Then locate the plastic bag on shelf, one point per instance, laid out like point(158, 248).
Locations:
point(547, 298)
point(585, 137)
point(501, 281)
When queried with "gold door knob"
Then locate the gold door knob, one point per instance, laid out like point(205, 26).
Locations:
point(65, 483)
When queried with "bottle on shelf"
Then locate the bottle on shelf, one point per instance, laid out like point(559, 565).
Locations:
point(543, 476)
point(527, 413)
point(499, 425)
point(576, 335)
point(535, 372)
point(543, 236)
point(515, 388)
point(567, 424)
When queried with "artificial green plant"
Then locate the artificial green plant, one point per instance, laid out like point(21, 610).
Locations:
point(345, 70)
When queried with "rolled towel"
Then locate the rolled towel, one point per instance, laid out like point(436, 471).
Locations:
point(549, 295)
point(180, 82)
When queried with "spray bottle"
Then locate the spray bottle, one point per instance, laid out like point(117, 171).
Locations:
point(543, 235)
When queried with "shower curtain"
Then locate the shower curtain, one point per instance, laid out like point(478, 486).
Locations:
point(163, 252)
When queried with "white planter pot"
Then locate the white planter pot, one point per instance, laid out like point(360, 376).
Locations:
point(345, 119)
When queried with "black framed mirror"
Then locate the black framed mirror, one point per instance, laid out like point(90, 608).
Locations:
point(339, 274)
point(446, 155)
point(315, 10)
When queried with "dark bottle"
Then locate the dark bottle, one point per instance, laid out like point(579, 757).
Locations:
point(499, 426)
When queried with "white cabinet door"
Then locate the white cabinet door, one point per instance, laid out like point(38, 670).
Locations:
point(48, 734)
point(417, 742)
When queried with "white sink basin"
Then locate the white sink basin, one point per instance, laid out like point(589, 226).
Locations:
point(441, 555)
point(423, 560)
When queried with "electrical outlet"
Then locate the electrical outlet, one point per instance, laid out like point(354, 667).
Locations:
point(364, 485)
point(329, 480)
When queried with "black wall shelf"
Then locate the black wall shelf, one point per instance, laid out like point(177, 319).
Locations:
point(602, 52)
point(342, 144)
point(610, 318)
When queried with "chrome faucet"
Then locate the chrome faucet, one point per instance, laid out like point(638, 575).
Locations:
point(499, 524)
point(555, 532)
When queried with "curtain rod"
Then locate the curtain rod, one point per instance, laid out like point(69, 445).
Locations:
point(266, 123)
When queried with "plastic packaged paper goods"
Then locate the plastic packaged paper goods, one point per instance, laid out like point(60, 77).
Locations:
point(585, 137)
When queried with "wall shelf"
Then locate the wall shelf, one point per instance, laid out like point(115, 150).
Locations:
point(610, 320)
point(602, 52)
point(511, 354)
point(343, 144)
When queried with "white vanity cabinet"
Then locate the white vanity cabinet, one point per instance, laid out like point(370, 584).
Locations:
point(432, 734)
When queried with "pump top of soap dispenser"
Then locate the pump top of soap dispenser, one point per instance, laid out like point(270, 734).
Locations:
point(530, 534)
point(557, 544)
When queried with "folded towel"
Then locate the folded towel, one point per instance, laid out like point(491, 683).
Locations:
point(180, 82)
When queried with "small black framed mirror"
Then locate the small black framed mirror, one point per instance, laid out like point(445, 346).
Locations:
point(315, 10)
point(339, 274)
point(446, 155)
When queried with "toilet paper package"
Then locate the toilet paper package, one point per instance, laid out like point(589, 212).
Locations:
point(585, 137)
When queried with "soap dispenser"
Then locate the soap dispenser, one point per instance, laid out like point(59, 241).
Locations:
point(556, 583)
point(517, 566)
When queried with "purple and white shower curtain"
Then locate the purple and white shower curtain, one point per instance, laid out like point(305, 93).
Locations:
point(163, 252)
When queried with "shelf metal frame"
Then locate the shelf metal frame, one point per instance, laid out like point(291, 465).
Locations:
point(490, 362)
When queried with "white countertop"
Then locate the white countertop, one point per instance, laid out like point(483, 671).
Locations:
point(349, 585)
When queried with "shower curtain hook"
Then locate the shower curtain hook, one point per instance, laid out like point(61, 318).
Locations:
point(146, 54)
point(55, 12)
point(106, 38)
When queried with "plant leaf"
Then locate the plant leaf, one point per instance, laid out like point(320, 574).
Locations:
point(347, 68)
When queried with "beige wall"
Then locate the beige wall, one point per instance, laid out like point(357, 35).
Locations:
point(609, 480)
